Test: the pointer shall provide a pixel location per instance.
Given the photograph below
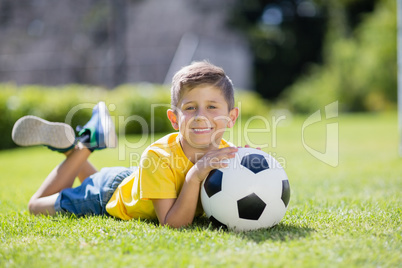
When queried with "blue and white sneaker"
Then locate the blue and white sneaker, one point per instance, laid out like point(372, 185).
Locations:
point(31, 130)
point(100, 128)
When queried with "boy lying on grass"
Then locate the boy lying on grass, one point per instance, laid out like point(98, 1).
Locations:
point(167, 183)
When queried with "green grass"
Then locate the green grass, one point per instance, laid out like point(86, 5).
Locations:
point(343, 216)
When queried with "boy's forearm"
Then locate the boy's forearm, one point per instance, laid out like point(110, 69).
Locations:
point(183, 211)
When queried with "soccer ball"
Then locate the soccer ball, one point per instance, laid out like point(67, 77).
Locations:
point(253, 192)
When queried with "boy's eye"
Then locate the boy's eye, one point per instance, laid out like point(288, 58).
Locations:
point(211, 107)
point(190, 108)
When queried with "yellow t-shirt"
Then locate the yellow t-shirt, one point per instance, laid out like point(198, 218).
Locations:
point(161, 175)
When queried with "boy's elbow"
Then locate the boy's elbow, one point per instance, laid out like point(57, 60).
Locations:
point(175, 225)
point(35, 207)
point(32, 208)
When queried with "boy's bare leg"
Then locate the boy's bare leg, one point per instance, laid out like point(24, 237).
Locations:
point(61, 177)
point(87, 169)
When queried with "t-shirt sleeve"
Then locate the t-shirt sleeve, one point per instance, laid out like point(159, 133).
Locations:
point(157, 179)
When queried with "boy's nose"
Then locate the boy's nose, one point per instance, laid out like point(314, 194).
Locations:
point(200, 115)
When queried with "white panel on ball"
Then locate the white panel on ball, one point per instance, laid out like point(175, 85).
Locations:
point(275, 211)
point(225, 210)
point(269, 187)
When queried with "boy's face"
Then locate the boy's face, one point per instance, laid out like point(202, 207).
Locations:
point(202, 116)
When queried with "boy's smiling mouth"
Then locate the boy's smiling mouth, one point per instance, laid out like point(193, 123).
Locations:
point(202, 130)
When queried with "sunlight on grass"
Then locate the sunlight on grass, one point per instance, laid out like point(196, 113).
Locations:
point(343, 216)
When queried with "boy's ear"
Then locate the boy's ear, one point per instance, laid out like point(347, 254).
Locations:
point(173, 119)
point(233, 114)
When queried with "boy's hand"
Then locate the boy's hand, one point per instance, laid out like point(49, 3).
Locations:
point(213, 160)
point(248, 146)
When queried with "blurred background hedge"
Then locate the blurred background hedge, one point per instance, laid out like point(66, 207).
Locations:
point(127, 104)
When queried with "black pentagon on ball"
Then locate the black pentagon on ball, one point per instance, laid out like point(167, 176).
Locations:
point(255, 162)
point(217, 224)
point(250, 207)
point(285, 192)
point(213, 183)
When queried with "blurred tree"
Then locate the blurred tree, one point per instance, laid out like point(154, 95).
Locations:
point(360, 69)
point(287, 36)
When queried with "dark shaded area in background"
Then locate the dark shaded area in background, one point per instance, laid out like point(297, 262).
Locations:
point(287, 36)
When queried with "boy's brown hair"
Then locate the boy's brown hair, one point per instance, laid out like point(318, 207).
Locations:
point(199, 73)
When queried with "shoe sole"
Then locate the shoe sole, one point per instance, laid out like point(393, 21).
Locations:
point(31, 130)
point(109, 131)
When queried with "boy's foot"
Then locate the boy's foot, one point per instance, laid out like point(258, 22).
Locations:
point(99, 132)
point(31, 130)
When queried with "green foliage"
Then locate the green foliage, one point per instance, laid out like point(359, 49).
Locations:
point(360, 71)
point(344, 216)
point(279, 48)
point(135, 108)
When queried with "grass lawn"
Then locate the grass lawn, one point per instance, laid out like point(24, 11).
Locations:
point(343, 216)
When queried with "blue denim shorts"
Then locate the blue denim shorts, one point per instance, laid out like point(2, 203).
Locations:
point(91, 197)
